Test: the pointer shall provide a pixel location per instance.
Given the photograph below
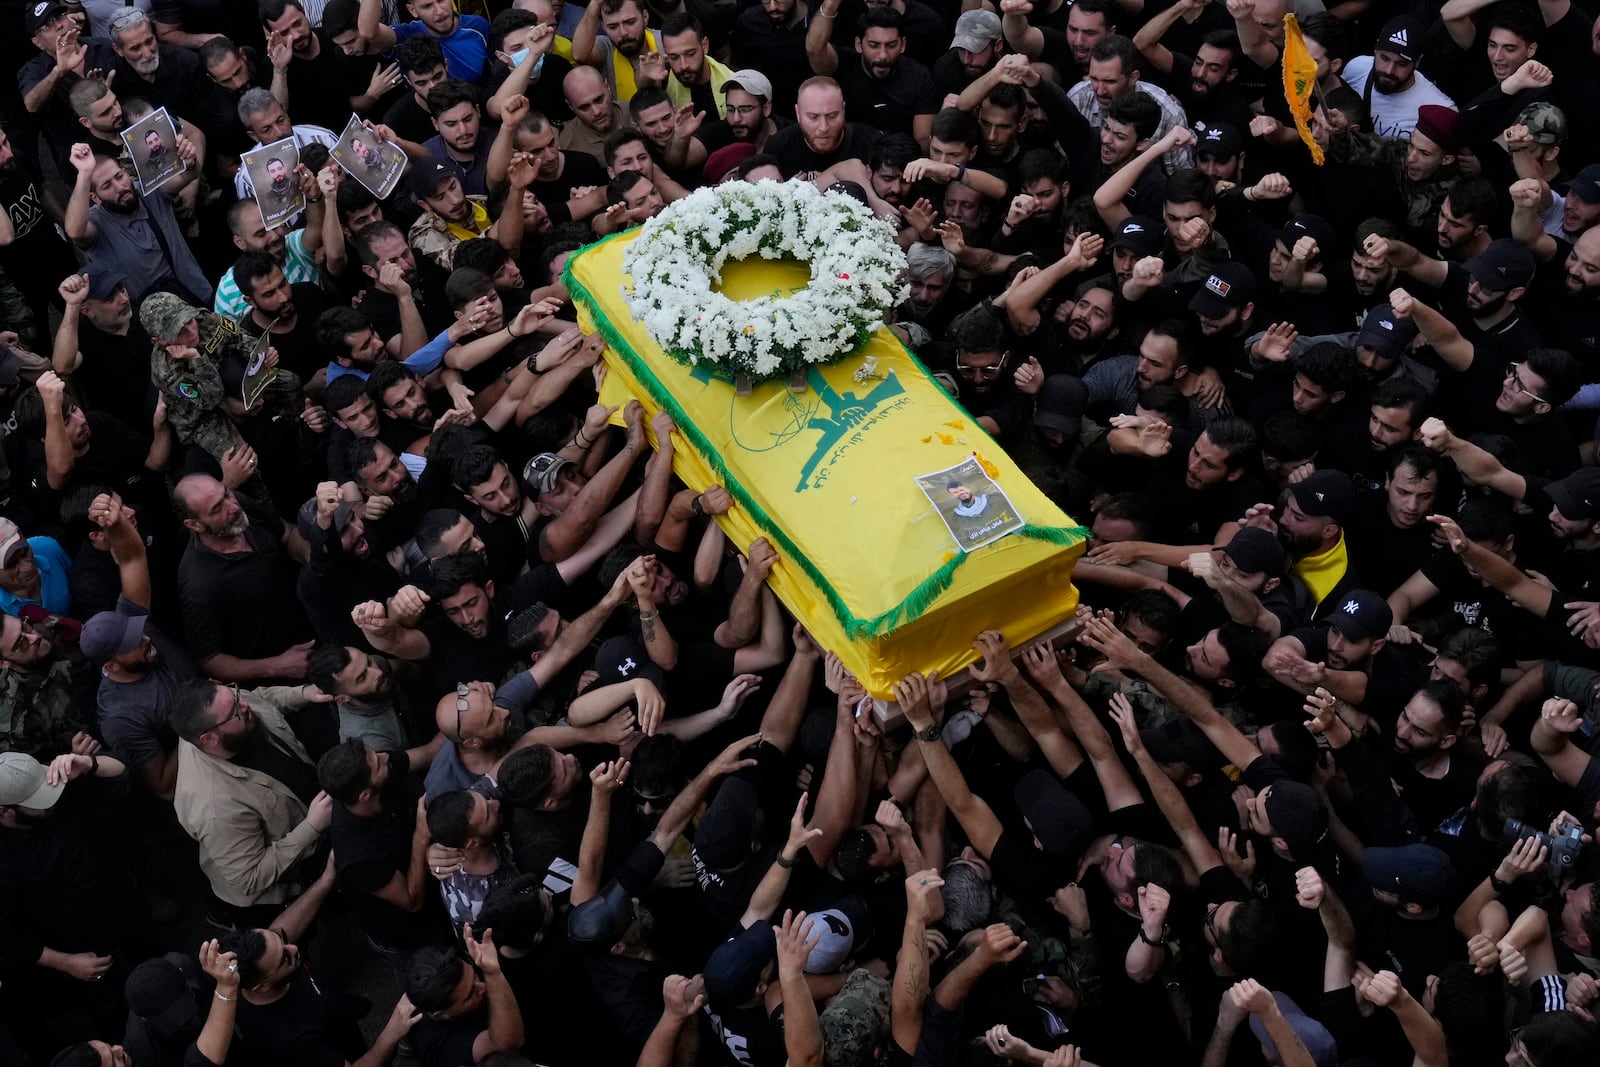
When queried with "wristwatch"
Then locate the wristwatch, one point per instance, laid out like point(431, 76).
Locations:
point(1166, 933)
point(927, 733)
point(697, 507)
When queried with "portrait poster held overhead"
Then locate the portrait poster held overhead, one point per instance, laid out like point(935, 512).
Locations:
point(271, 170)
point(975, 509)
point(376, 164)
point(152, 144)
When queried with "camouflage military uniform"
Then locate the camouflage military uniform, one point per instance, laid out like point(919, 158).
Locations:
point(1422, 199)
point(40, 710)
point(193, 387)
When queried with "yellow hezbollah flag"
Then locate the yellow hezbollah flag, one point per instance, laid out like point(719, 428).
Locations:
point(850, 482)
point(1299, 80)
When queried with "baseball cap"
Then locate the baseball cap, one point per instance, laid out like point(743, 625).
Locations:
point(102, 282)
point(1416, 872)
point(427, 177)
point(1296, 813)
point(1585, 185)
point(1362, 615)
point(1139, 234)
point(1312, 1034)
point(1220, 140)
point(1402, 36)
point(542, 471)
point(164, 314)
point(110, 633)
point(751, 81)
point(976, 30)
point(13, 543)
point(1060, 404)
point(1255, 551)
point(1326, 494)
point(600, 921)
point(1577, 496)
point(1441, 125)
point(1058, 818)
point(22, 782)
point(158, 992)
point(1229, 286)
point(735, 966)
point(837, 932)
point(621, 659)
point(307, 519)
point(1505, 264)
point(1181, 741)
point(40, 14)
point(1545, 122)
point(1386, 332)
point(856, 1021)
point(1313, 226)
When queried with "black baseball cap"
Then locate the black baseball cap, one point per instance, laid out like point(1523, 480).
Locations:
point(1328, 494)
point(1402, 36)
point(1058, 819)
point(1139, 234)
point(1229, 286)
point(1060, 404)
point(427, 177)
point(1577, 496)
point(1220, 140)
point(734, 967)
point(1505, 264)
point(1361, 615)
point(1385, 332)
point(1417, 872)
point(1255, 551)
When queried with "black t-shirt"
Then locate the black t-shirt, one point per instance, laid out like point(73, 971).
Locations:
point(1475, 604)
point(457, 657)
point(298, 349)
point(409, 119)
point(304, 1027)
point(1385, 554)
point(797, 159)
point(749, 1035)
point(890, 104)
point(320, 88)
point(580, 169)
point(244, 604)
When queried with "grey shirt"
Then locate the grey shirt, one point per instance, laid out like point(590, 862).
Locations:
point(134, 715)
point(132, 244)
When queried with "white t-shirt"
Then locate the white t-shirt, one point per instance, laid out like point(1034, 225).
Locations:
point(1393, 116)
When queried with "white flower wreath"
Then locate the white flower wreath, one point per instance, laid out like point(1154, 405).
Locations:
point(677, 260)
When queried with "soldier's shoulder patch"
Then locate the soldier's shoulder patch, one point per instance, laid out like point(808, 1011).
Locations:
point(188, 391)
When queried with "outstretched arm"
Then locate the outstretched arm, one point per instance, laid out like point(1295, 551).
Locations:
point(975, 816)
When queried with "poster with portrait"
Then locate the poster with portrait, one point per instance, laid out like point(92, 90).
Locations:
point(271, 171)
point(976, 511)
point(152, 144)
point(257, 375)
point(378, 165)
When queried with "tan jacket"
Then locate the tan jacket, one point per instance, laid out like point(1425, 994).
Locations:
point(251, 827)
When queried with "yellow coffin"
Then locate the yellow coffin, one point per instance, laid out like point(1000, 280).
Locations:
point(849, 480)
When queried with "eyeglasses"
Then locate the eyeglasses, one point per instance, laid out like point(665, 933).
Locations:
point(239, 708)
point(463, 690)
point(984, 374)
point(1514, 373)
point(25, 630)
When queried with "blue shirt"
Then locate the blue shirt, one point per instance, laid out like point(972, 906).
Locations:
point(466, 50)
point(54, 567)
point(424, 361)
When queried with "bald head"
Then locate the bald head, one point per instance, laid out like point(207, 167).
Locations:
point(590, 99)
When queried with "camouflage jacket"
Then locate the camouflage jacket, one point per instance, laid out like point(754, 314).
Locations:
point(40, 710)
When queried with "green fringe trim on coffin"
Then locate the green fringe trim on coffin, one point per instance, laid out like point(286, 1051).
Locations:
point(918, 601)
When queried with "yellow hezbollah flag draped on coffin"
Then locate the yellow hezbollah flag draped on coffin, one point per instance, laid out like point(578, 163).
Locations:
point(838, 479)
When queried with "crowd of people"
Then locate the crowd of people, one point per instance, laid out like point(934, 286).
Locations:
point(329, 585)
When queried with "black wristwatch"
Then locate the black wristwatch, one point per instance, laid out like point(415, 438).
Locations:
point(697, 507)
point(94, 765)
point(1497, 885)
point(927, 733)
point(1166, 933)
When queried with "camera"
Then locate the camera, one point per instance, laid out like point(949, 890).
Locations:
point(1563, 846)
